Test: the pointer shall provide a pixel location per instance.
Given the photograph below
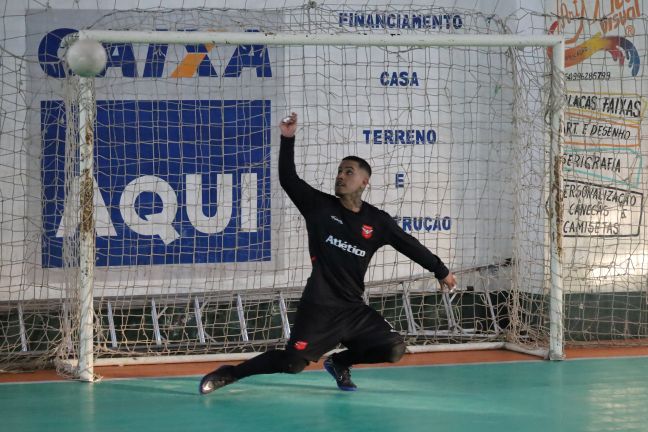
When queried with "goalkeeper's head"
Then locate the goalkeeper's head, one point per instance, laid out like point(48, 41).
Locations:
point(352, 177)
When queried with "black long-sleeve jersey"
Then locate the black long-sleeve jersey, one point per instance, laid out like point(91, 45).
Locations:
point(342, 242)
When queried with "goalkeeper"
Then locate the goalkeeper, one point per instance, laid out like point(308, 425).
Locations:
point(343, 234)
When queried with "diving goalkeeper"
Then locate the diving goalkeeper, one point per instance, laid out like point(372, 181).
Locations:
point(343, 234)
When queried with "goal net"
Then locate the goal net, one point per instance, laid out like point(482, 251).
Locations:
point(198, 251)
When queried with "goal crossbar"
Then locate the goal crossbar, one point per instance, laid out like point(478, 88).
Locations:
point(354, 39)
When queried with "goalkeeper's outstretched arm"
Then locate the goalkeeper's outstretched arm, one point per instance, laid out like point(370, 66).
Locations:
point(300, 192)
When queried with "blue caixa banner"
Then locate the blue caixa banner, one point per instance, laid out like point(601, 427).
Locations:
point(179, 181)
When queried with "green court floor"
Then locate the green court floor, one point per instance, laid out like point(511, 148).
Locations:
point(580, 395)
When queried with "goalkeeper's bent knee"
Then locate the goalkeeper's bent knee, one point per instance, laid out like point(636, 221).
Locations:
point(396, 352)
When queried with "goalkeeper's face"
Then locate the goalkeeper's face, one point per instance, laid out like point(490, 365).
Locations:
point(351, 179)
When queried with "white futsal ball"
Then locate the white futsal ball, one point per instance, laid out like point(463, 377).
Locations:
point(87, 58)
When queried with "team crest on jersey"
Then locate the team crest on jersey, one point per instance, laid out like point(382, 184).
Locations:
point(367, 231)
point(300, 345)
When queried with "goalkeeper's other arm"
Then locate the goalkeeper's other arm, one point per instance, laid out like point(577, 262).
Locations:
point(414, 250)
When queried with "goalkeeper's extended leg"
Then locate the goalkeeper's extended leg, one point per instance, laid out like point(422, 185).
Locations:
point(275, 361)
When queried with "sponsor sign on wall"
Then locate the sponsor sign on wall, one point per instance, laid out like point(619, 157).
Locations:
point(181, 181)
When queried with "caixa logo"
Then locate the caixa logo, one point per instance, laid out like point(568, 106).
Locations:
point(175, 182)
point(195, 59)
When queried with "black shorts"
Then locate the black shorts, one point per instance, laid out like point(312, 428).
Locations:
point(319, 329)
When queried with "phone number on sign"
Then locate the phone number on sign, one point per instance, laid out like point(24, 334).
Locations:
point(583, 76)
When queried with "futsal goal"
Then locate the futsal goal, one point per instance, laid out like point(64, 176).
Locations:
point(217, 152)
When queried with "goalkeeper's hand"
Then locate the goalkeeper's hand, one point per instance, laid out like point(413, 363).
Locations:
point(449, 283)
point(288, 125)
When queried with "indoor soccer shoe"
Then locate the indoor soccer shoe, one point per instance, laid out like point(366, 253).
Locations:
point(216, 379)
point(341, 374)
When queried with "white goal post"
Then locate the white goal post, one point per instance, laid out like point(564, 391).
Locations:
point(553, 195)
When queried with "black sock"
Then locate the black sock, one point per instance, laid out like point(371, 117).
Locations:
point(270, 362)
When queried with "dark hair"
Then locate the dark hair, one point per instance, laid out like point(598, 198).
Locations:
point(361, 163)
